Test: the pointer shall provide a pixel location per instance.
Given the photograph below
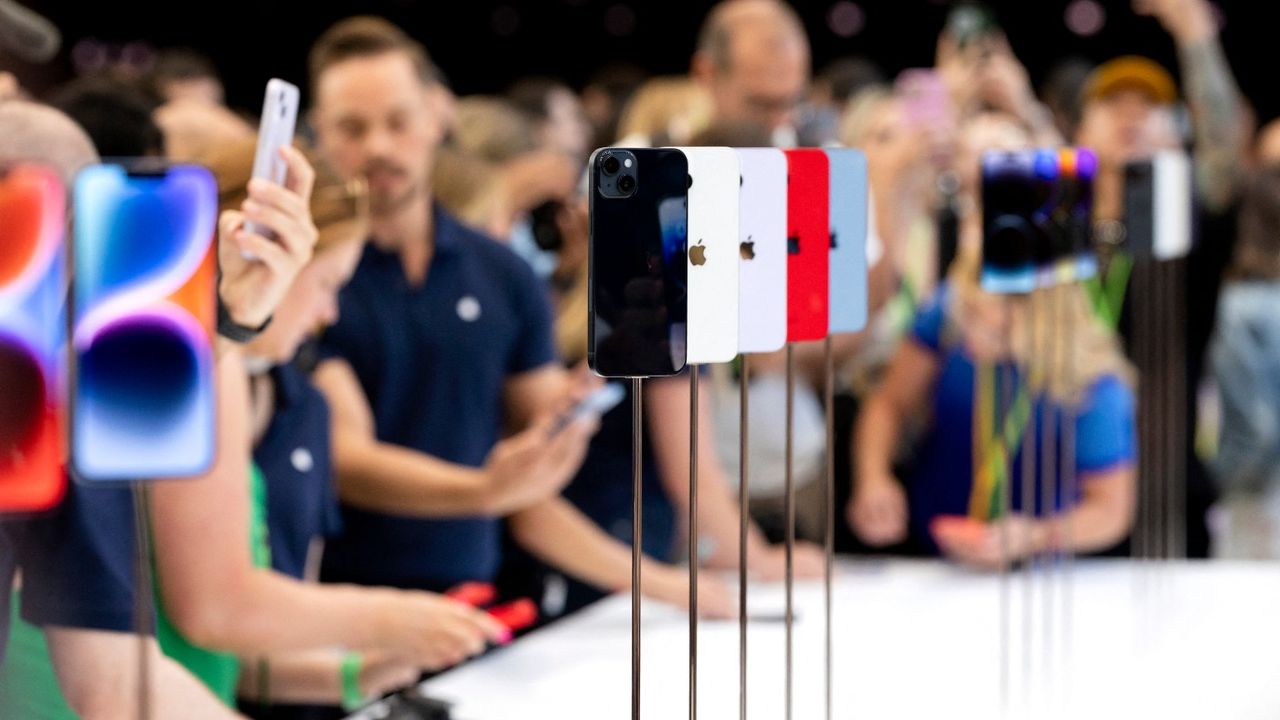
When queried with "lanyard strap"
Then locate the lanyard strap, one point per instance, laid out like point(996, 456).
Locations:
point(992, 449)
point(1107, 290)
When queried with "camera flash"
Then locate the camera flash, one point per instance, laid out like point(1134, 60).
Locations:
point(626, 163)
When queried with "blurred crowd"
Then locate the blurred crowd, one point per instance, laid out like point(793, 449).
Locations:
point(421, 321)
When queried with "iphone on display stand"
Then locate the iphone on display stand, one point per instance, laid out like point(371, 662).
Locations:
point(762, 251)
point(714, 180)
point(637, 266)
point(808, 244)
point(848, 272)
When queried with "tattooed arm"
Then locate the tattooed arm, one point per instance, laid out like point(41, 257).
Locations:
point(1217, 108)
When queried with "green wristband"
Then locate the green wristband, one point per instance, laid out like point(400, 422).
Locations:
point(352, 698)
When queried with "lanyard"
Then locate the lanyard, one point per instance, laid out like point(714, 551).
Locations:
point(1107, 291)
point(992, 450)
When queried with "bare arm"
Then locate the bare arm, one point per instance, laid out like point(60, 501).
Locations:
point(1217, 109)
point(315, 677)
point(217, 599)
point(389, 478)
point(902, 394)
point(98, 674)
point(877, 511)
point(558, 534)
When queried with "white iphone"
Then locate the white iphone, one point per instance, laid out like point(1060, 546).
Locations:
point(762, 250)
point(275, 130)
point(713, 254)
point(848, 294)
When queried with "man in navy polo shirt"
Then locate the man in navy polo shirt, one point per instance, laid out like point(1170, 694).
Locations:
point(444, 345)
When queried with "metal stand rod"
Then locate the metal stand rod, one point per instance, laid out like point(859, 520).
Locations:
point(829, 536)
point(789, 510)
point(637, 535)
point(1028, 504)
point(1049, 468)
point(143, 594)
point(693, 542)
point(744, 511)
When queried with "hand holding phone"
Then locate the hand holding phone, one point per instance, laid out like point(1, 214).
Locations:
point(275, 130)
point(596, 404)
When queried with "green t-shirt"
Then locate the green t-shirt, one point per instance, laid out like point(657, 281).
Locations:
point(29, 687)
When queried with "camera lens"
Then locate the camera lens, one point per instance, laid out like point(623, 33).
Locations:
point(611, 165)
point(626, 183)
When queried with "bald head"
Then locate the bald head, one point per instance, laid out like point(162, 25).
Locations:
point(30, 132)
point(753, 57)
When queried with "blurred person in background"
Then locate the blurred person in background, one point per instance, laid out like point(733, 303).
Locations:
point(1129, 113)
point(430, 464)
point(1063, 93)
point(115, 113)
point(930, 388)
point(1244, 355)
point(752, 57)
point(603, 97)
point(664, 111)
point(185, 74)
point(558, 116)
point(819, 117)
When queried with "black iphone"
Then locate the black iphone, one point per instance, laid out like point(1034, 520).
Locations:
point(637, 267)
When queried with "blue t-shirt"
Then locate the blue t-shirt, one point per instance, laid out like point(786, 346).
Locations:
point(942, 478)
point(433, 361)
point(293, 454)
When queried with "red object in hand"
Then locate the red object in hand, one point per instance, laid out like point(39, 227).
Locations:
point(516, 615)
point(475, 594)
point(958, 529)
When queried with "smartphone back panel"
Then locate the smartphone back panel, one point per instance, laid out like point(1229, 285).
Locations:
point(713, 254)
point(637, 266)
point(143, 309)
point(848, 272)
point(762, 227)
point(808, 244)
point(33, 216)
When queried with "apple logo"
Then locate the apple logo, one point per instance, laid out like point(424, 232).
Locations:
point(698, 254)
point(833, 241)
point(793, 245)
point(748, 249)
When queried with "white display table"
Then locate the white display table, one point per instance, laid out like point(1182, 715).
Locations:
point(919, 640)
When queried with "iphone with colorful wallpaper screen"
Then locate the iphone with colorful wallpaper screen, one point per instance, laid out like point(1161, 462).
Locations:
point(143, 308)
point(808, 244)
point(33, 216)
point(637, 267)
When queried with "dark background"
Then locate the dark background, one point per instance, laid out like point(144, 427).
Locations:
point(483, 45)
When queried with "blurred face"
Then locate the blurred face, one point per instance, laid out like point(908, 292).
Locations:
point(986, 323)
point(375, 118)
point(892, 145)
point(1122, 126)
point(310, 305)
point(766, 80)
point(1268, 149)
point(567, 128)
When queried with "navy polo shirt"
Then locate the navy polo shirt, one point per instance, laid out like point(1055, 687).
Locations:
point(77, 560)
point(293, 454)
point(433, 361)
point(942, 480)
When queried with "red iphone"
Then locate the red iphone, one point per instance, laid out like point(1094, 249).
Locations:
point(808, 244)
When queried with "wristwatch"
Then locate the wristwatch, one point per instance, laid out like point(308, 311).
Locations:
point(234, 331)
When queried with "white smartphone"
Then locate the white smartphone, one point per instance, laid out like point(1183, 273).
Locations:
point(762, 250)
point(714, 178)
point(848, 269)
point(275, 130)
point(596, 404)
